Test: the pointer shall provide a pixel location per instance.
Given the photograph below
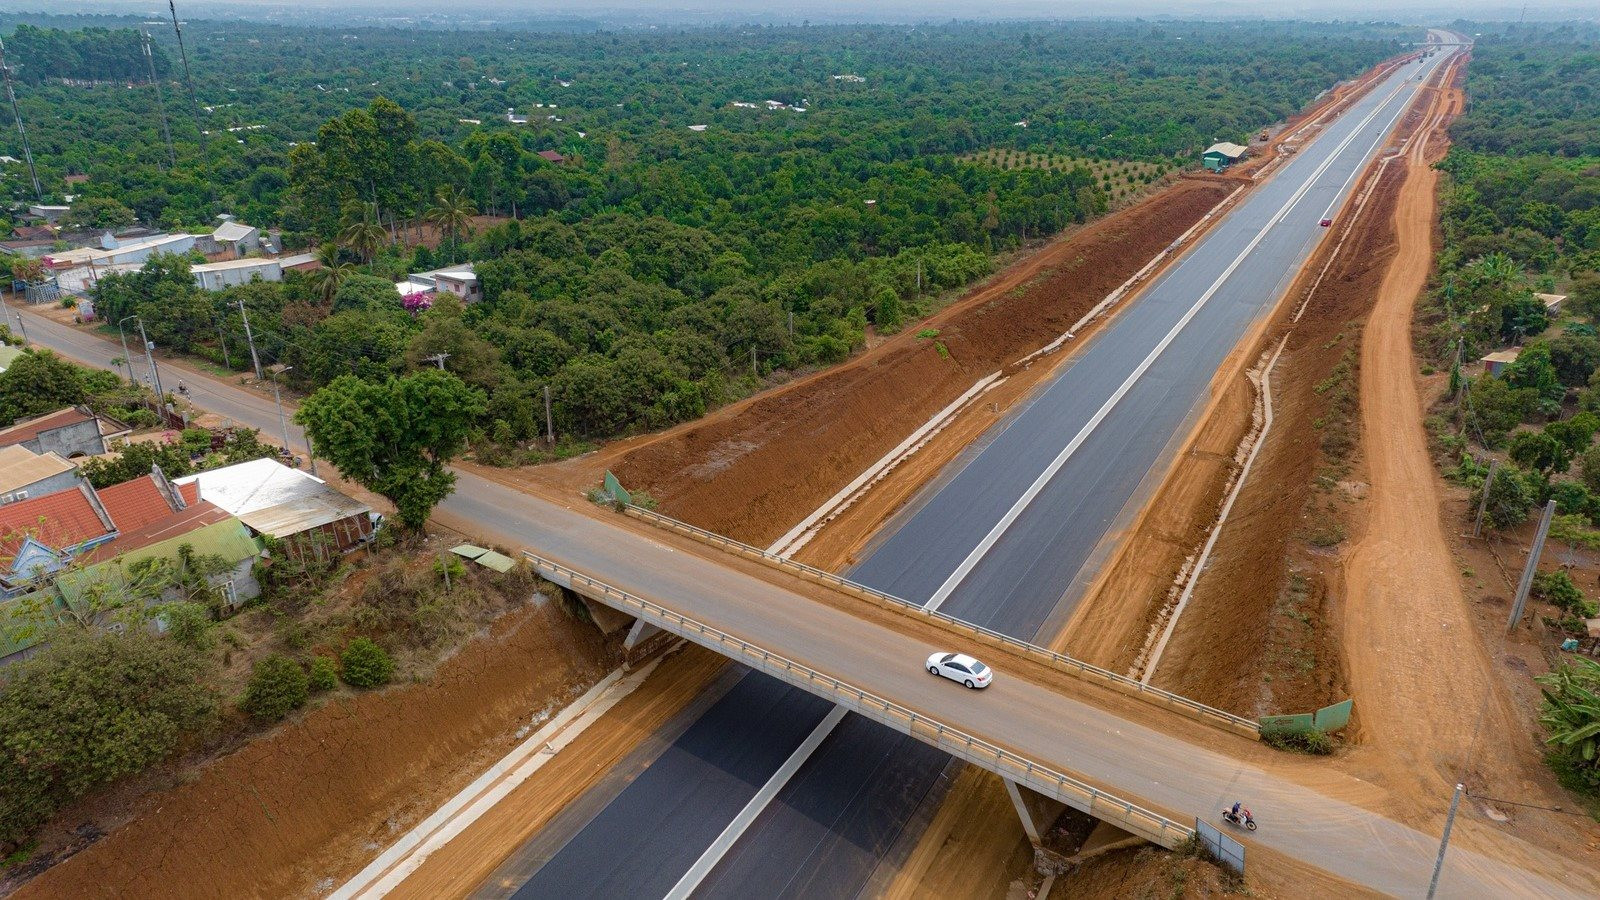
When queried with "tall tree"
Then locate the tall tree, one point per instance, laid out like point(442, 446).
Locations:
point(452, 214)
point(325, 281)
point(363, 234)
point(395, 437)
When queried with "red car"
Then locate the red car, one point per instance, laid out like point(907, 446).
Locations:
point(1325, 223)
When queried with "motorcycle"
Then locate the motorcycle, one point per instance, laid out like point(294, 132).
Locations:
point(1243, 820)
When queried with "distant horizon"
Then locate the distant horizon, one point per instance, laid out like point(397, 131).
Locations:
point(477, 14)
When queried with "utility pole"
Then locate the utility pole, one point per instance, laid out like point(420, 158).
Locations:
point(126, 359)
point(1532, 567)
point(161, 395)
point(549, 422)
point(1483, 501)
point(438, 359)
point(277, 398)
point(222, 339)
point(1444, 842)
point(16, 113)
point(161, 104)
point(250, 338)
point(22, 327)
point(753, 362)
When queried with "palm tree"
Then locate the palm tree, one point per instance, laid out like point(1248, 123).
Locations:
point(326, 280)
point(452, 215)
point(364, 235)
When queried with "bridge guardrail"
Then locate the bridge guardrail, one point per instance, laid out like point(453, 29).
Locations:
point(1129, 816)
point(1059, 661)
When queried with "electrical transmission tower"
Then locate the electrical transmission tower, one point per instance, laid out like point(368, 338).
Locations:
point(188, 80)
point(161, 104)
point(27, 151)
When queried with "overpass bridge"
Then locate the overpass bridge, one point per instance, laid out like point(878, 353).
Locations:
point(1148, 763)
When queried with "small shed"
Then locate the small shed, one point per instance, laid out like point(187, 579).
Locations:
point(1222, 155)
point(1552, 303)
point(236, 238)
point(552, 156)
point(1496, 362)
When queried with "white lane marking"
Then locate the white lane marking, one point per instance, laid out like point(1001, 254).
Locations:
point(406, 855)
point(1038, 486)
point(736, 829)
point(1340, 196)
point(730, 835)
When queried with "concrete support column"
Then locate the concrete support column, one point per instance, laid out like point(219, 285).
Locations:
point(1036, 811)
point(640, 632)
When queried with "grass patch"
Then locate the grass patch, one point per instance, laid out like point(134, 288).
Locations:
point(1311, 743)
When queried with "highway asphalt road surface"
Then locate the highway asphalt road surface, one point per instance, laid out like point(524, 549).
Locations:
point(1147, 755)
point(1078, 452)
point(826, 830)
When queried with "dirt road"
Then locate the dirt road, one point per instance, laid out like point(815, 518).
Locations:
point(1432, 711)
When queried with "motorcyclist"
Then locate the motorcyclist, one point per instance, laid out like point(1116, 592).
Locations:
point(1236, 807)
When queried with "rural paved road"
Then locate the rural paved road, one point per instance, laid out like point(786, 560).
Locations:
point(834, 829)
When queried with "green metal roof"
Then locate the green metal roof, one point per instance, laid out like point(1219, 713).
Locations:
point(228, 539)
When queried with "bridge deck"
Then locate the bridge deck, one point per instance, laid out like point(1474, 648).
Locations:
point(1152, 758)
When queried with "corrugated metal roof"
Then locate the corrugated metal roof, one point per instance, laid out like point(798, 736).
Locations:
point(227, 539)
point(274, 499)
point(232, 231)
point(1232, 151)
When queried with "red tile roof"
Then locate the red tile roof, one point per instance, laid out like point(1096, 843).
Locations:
point(134, 504)
point(27, 431)
point(172, 525)
point(63, 519)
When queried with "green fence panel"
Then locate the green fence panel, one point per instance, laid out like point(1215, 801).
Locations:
point(614, 488)
point(1295, 724)
point(1335, 717)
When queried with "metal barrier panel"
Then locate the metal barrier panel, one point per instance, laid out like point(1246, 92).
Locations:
point(1298, 723)
point(1333, 718)
point(1227, 851)
point(615, 489)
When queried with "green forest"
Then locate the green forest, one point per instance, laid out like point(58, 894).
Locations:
point(683, 249)
point(1520, 218)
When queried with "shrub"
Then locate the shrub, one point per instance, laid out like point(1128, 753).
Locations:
point(277, 686)
point(1315, 743)
point(1557, 588)
point(1572, 498)
point(365, 664)
point(1510, 499)
point(190, 625)
point(88, 710)
point(324, 674)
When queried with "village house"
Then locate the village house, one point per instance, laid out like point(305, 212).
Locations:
point(70, 433)
point(288, 505)
point(25, 474)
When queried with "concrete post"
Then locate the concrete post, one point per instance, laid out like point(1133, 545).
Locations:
point(640, 632)
point(1483, 501)
point(1036, 811)
point(1532, 567)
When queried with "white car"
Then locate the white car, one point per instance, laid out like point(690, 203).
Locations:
point(961, 667)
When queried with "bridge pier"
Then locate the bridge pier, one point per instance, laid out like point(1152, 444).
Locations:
point(640, 632)
point(1036, 811)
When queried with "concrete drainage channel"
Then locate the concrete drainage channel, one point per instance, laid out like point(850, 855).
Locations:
point(1145, 664)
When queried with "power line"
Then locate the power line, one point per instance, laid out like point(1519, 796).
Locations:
point(161, 104)
point(27, 151)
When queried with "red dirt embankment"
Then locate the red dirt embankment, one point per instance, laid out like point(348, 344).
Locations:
point(752, 469)
point(312, 799)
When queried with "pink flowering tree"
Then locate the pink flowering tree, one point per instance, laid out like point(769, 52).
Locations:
point(417, 302)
